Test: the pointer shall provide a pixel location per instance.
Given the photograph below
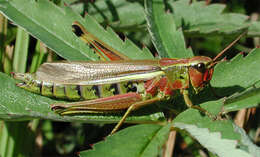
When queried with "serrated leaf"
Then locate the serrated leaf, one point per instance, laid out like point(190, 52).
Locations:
point(109, 37)
point(117, 13)
point(19, 104)
point(50, 24)
point(197, 18)
point(214, 141)
point(253, 149)
point(200, 120)
point(237, 74)
point(147, 142)
point(236, 78)
point(212, 134)
point(44, 20)
point(168, 41)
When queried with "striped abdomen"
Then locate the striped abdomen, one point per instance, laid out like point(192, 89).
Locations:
point(82, 92)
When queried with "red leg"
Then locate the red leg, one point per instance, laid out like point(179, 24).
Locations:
point(112, 104)
point(129, 101)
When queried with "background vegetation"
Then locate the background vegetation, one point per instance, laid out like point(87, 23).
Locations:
point(141, 30)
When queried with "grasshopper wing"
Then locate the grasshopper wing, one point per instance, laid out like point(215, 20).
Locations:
point(91, 73)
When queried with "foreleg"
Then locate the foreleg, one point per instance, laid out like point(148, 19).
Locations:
point(190, 104)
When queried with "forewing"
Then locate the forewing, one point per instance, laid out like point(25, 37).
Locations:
point(89, 73)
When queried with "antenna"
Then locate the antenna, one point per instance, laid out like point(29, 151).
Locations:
point(230, 45)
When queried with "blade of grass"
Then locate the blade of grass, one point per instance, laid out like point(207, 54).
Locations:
point(3, 32)
point(20, 52)
point(19, 140)
point(38, 57)
point(3, 139)
point(7, 59)
point(2, 19)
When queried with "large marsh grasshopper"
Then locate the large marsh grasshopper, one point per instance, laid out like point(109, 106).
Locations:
point(119, 84)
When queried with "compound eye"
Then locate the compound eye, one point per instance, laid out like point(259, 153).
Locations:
point(201, 67)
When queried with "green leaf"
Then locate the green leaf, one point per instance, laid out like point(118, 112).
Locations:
point(212, 134)
point(245, 99)
point(238, 79)
point(118, 13)
point(168, 41)
point(40, 21)
point(50, 24)
point(200, 120)
point(199, 19)
point(147, 142)
point(21, 51)
point(254, 29)
point(19, 104)
point(237, 74)
point(245, 141)
point(213, 141)
point(109, 37)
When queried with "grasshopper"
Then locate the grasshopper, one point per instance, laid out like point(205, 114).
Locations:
point(119, 84)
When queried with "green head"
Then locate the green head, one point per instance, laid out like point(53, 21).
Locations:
point(27, 81)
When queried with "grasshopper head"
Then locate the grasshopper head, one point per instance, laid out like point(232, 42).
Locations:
point(201, 69)
point(27, 81)
point(200, 72)
point(24, 79)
